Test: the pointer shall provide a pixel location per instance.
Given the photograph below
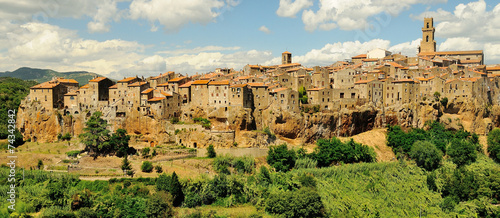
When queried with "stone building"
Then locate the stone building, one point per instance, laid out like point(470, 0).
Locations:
point(286, 99)
point(199, 93)
point(218, 94)
point(240, 95)
point(260, 94)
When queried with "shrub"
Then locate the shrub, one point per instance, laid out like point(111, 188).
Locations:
point(304, 202)
point(305, 162)
point(159, 205)
point(333, 150)
point(444, 101)
point(204, 122)
point(147, 167)
point(159, 169)
point(244, 164)
point(73, 153)
point(494, 144)
point(270, 135)
point(66, 137)
point(426, 155)
point(221, 164)
point(281, 158)
point(145, 152)
point(211, 151)
point(174, 120)
point(462, 152)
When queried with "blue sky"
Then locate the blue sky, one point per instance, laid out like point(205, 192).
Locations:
point(146, 37)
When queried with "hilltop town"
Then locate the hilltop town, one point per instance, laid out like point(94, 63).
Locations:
point(246, 99)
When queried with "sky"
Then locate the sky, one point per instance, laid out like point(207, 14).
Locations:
point(119, 38)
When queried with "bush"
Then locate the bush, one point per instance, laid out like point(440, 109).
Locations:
point(304, 202)
point(159, 205)
point(462, 152)
point(333, 150)
point(174, 120)
point(147, 167)
point(426, 155)
point(221, 164)
point(211, 151)
point(159, 169)
point(243, 164)
point(73, 153)
point(304, 163)
point(281, 158)
point(145, 152)
point(269, 134)
point(204, 122)
point(494, 144)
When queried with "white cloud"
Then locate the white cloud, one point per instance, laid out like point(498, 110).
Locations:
point(406, 48)
point(288, 8)
point(173, 15)
point(199, 49)
point(264, 29)
point(26, 11)
point(347, 14)
point(459, 44)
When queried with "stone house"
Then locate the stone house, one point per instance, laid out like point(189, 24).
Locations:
point(240, 95)
point(199, 93)
point(218, 93)
point(286, 99)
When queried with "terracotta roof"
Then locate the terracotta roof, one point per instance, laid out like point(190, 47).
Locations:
point(72, 93)
point(115, 86)
point(200, 82)
point(316, 89)
point(186, 85)
point(495, 68)
point(279, 89)
point(239, 86)
point(361, 56)
point(394, 64)
point(243, 77)
point(450, 80)
point(363, 81)
point(126, 80)
point(165, 94)
point(219, 83)
point(403, 81)
point(155, 99)
point(286, 52)
point(45, 85)
point(137, 84)
point(470, 61)
point(254, 66)
point(147, 91)
point(458, 52)
point(309, 69)
point(293, 69)
point(162, 85)
point(369, 60)
point(178, 79)
point(98, 79)
point(163, 75)
point(257, 84)
point(61, 80)
point(289, 65)
point(472, 79)
point(86, 86)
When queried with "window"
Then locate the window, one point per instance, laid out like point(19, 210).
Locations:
point(427, 38)
point(45, 98)
point(427, 24)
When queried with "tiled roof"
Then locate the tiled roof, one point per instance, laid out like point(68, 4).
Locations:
point(289, 65)
point(115, 86)
point(98, 79)
point(126, 80)
point(361, 56)
point(257, 84)
point(286, 52)
point(61, 80)
point(136, 84)
point(45, 85)
point(279, 89)
point(72, 93)
point(178, 79)
point(147, 91)
point(404, 81)
point(363, 81)
point(185, 85)
point(200, 82)
point(370, 60)
point(156, 99)
point(219, 83)
point(238, 86)
point(86, 86)
point(316, 89)
point(162, 85)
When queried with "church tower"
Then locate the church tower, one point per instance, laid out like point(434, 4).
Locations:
point(286, 57)
point(428, 44)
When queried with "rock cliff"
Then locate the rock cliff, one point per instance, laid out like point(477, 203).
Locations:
point(244, 127)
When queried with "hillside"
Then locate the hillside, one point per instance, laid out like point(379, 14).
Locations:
point(12, 91)
point(44, 75)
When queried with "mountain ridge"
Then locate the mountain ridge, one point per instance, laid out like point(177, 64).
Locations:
point(44, 75)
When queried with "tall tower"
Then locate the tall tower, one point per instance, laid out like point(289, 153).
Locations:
point(286, 57)
point(428, 44)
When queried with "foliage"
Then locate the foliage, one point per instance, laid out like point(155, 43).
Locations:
point(437, 95)
point(335, 151)
point(12, 91)
point(281, 158)
point(204, 122)
point(426, 155)
point(269, 134)
point(305, 162)
point(444, 101)
point(494, 144)
point(147, 167)
point(74, 153)
point(39, 165)
point(211, 151)
point(158, 169)
point(304, 202)
point(145, 152)
point(119, 141)
point(172, 185)
point(126, 164)
point(462, 152)
point(303, 95)
point(159, 205)
point(174, 120)
point(96, 135)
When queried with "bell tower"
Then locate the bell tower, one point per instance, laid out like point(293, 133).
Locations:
point(286, 57)
point(428, 44)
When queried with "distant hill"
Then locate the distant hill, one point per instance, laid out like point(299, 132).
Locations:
point(44, 75)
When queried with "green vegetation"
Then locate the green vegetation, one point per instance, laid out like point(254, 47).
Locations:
point(12, 91)
point(211, 151)
point(426, 155)
point(43, 75)
point(204, 122)
point(269, 134)
point(147, 167)
point(334, 151)
point(222, 164)
point(303, 95)
point(73, 153)
point(65, 137)
point(281, 158)
point(494, 144)
point(462, 152)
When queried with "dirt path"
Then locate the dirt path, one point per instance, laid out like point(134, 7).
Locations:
point(376, 139)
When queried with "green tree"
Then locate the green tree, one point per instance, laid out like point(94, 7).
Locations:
point(159, 205)
point(147, 167)
point(426, 155)
point(494, 144)
point(281, 158)
point(145, 152)
point(163, 182)
point(211, 151)
point(119, 140)
point(462, 152)
point(176, 190)
point(437, 95)
point(96, 135)
point(159, 169)
point(304, 202)
point(333, 150)
point(126, 164)
point(303, 95)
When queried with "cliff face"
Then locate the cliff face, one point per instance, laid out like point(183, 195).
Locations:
point(243, 127)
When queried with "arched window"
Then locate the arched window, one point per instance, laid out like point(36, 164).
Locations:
point(427, 25)
point(427, 39)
